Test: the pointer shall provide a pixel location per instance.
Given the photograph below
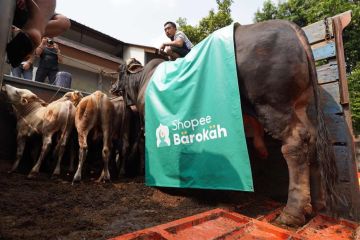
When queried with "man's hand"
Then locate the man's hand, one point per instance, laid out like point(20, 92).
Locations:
point(26, 65)
point(44, 41)
point(162, 47)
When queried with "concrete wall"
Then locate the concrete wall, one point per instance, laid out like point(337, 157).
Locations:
point(87, 81)
point(134, 52)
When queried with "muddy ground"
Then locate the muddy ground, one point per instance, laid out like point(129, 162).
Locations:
point(55, 209)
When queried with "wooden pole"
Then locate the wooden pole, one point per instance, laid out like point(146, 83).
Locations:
point(6, 17)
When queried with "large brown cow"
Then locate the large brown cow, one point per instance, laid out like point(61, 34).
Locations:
point(121, 131)
point(277, 78)
point(34, 116)
point(94, 113)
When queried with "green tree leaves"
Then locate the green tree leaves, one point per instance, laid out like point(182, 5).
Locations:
point(354, 85)
point(208, 24)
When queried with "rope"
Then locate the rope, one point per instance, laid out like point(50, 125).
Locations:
point(99, 70)
point(26, 122)
point(52, 97)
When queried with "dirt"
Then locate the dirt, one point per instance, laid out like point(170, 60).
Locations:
point(56, 209)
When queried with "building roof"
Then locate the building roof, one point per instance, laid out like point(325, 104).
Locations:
point(77, 26)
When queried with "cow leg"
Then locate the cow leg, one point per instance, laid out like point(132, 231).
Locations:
point(253, 128)
point(83, 149)
point(21, 140)
point(61, 146)
point(105, 175)
point(123, 154)
point(72, 156)
point(44, 150)
point(142, 153)
point(296, 151)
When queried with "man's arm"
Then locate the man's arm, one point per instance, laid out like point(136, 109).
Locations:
point(27, 64)
point(60, 57)
point(39, 50)
point(179, 42)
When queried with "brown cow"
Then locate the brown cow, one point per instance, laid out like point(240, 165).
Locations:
point(277, 77)
point(121, 128)
point(36, 117)
point(94, 113)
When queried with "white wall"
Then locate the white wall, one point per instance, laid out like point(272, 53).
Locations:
point(134, 52)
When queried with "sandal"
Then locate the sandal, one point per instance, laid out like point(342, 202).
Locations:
point(18, 48)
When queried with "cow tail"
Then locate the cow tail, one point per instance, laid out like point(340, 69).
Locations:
point(67, 125)
point(324, 151)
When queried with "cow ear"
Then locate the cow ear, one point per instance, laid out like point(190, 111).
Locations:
point(24, 100)
point(77, 93)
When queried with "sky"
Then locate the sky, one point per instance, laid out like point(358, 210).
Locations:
point(141, 21)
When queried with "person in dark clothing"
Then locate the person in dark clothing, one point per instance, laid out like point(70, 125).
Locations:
point(49, 53)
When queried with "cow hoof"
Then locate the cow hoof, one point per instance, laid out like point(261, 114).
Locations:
point(55, 176)
point(103, 180)
point(289, 220)
point(12, 170)
point(319, 205)
point(32, 175)
point(75, 181)
point(308, 209)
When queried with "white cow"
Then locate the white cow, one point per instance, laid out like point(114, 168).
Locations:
point(34, 116)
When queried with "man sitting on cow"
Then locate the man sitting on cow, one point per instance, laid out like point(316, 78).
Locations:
point(179, 46)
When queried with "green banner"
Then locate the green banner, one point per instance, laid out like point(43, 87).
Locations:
point(193, 122)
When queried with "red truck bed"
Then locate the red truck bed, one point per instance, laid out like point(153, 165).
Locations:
point(223, 224)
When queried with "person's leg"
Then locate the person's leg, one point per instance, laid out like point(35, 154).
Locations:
point(57, 25)
point(16, 72)
point(176, 52)
point(40, 75)
point(52, 76)
point(173, 55)
point(28, 74)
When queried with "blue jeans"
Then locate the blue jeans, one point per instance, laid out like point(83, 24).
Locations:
point(20, 72)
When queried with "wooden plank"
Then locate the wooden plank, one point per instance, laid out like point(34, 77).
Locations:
point(330, 98)
point(336, 125)
point(328, 72)
point(317, 31)
point(324, 50)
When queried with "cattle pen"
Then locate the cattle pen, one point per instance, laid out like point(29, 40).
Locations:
point(56, 209)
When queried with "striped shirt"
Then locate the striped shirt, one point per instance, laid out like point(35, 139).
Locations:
point(180, 34)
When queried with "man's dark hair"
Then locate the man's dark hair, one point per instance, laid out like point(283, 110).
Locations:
point(171, 23)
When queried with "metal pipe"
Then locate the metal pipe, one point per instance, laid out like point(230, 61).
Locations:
point(6, 17)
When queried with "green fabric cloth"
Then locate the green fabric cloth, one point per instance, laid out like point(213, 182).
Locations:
point(193, 122)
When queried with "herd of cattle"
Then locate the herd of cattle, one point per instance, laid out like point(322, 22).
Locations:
point(96, 114)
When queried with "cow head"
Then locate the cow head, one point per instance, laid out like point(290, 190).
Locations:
point(18, 96)
point(74, 97)
point(133, 65)
point(118, 88)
